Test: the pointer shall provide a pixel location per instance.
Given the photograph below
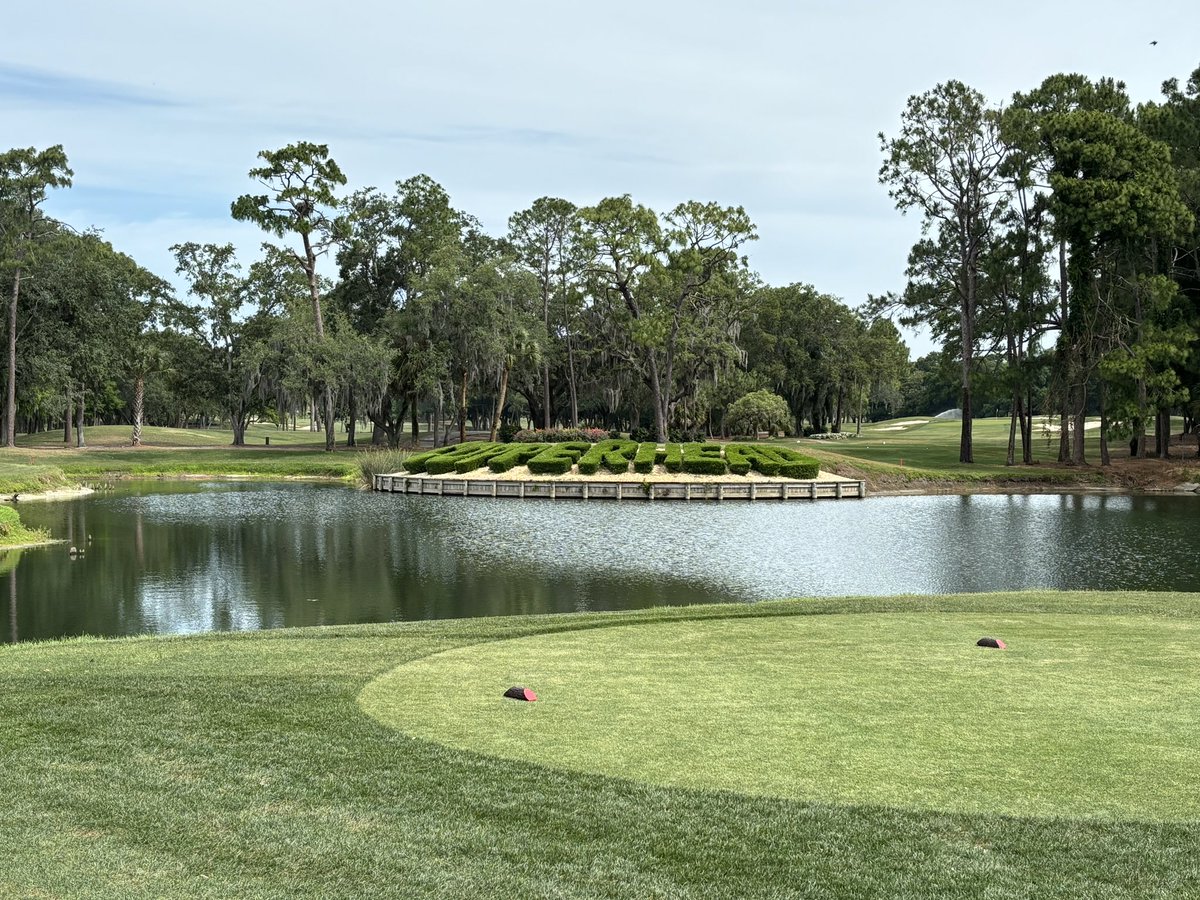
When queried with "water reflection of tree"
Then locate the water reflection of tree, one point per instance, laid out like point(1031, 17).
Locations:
point(266, 556)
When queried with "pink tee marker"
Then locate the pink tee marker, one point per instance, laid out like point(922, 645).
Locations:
point(520, 693)
point(992, 642)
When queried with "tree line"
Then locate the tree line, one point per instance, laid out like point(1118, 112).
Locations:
point(1059, 259)
point(395, 309)
point(1058, 266)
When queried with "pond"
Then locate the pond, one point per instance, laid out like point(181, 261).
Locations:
point(181, 557)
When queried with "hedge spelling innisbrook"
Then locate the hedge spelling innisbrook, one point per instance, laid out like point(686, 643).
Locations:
point(615, 456)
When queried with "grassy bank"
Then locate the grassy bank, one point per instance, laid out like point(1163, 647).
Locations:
point(14, 534)
point(244, 765)
point(906, 454)
point(28, 476)
point(916, 452)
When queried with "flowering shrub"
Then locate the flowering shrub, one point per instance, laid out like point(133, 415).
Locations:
point(559, 435)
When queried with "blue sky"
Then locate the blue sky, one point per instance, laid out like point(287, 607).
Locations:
point(775, 106)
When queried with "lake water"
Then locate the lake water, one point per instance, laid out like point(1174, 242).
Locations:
point(179, 557)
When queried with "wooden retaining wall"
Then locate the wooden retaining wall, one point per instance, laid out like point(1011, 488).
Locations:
point(621, 490)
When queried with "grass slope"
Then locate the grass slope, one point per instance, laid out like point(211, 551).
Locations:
point(242, 765)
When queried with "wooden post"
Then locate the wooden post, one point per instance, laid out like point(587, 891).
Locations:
point(812, 490)
point(585, 490)
point(753, 490)
point(838, 490)
point(521, 490)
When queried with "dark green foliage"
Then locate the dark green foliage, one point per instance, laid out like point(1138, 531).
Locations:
point(647, 456)
point(515, 455)
point(613, 455)
point(557, 459)
point(559, 435)
point(703, 459)
point(641, 435)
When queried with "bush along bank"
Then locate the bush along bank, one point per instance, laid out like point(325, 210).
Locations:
point(615, 455)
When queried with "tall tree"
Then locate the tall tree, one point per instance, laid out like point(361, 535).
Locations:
point(544, 236)
point(300, 180)
point(1028, 168)
point(945, 163)
point(1112, 188)
point(394, 243)
point(214, 276)
point(666, 290)
point(26, 177)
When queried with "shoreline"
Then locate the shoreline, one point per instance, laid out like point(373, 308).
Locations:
point(875, 487)
point(50, 495)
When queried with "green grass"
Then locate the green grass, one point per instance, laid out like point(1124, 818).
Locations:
point(154, 436)
point(174, 452)
point(14, 534)
point(73, 465)
point(28, 477)
point(898, 451)
point(1082, 716)
point(243, 765)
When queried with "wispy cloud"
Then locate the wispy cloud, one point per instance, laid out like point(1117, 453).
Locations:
point(22, 84)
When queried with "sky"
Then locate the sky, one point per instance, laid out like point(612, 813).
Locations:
point(774, 106)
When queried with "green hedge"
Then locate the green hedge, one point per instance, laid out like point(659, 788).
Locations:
point(673, 458)
point(480, 459)
point(703, 459)
point(474, 455)
point(515, 455)
point(419, 462)
point(646, 458)
point(791, 464)
point(614, 455)
point(557, 459)
point(740, 458)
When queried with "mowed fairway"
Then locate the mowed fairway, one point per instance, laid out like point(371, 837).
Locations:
point(245, 766)
point(1081, 716)
point(931, 446)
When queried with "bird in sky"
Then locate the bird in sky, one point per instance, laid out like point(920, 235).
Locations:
point(1154, 43)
